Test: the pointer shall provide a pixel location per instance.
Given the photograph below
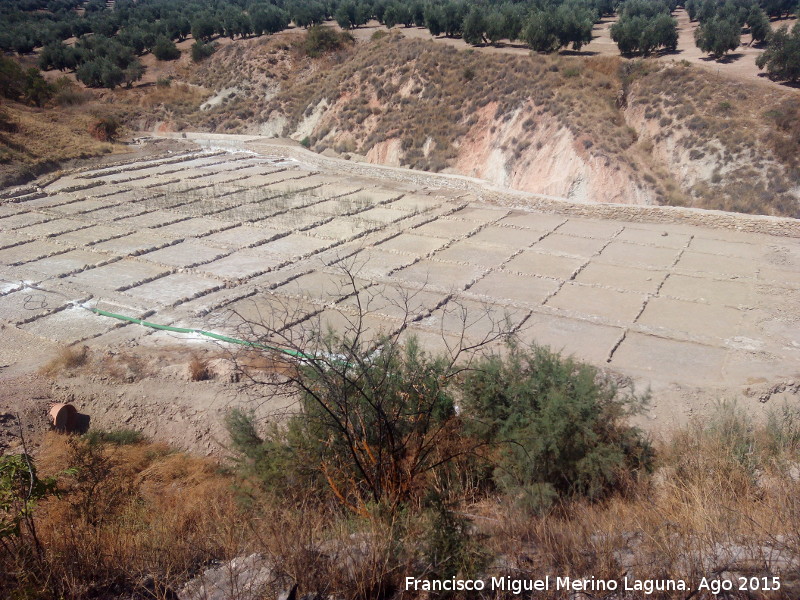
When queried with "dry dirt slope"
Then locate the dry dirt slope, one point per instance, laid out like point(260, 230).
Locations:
point(597, 129)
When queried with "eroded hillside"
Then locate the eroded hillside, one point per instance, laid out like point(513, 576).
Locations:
point(597, 129)
point(35, 140)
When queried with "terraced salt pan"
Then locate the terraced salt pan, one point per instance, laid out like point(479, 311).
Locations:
point(243, 236)
point(398, 303)
point(635, 255)
point(173, 289)
point(507, 237)
point(342, 228)
point(66, 263)
point(448, 229)
point(376, 263)
point(92, 235)
point(535, 222)
point(670, 304)
point(475, 253)
point(69, 325)
point(567, 245)
point(531, 262)
point(616, 306)
point(415, 245)
point(242, 265)
point(189, 253)
point(135, 243)
point(515, 289)
point(438, 275)
point(703, 289)
point(586, 340)
point(27, 304)
point(623, 278)
point(477, 320)
point(30, 251)
point(119, 275)
point(17, 221)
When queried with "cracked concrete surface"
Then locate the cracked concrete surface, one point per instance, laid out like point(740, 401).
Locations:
point(694, 307)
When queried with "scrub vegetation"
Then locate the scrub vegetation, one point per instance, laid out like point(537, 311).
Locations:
point(400, 464)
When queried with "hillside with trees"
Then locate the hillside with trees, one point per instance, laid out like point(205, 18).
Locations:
point(628, 131)
point(109, 47)
point(104, 46)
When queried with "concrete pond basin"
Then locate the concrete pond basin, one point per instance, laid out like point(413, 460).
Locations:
point(214, 240)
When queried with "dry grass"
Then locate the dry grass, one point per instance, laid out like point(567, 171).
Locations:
point(40, 139)
point(132, 511)
point(178, 96)
point(744, 133)
point(724, 503)
point(68, 360)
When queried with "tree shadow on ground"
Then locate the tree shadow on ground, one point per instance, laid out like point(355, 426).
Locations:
point(578, 53)
point(790, 84)
point(725, 59)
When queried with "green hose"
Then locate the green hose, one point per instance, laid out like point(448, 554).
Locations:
point(216, 336)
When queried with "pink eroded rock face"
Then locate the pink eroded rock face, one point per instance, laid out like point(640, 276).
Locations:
point(549, 160)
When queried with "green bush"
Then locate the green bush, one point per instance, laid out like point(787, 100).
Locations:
point(23, 85)
point(372, 427)
point(782, 56)
point(644, 27)
point(105, 129)
point(558, 425)
point(67, 93)
point(379, 428)
point(269, 19)
point(117, 437)
point(448, 547)
point(758, 22)
point(783, 427)
point(201, 51)
point(321, 40)
point(549, 29)
point(718, 35)
point(271, 459)
point(165, 49)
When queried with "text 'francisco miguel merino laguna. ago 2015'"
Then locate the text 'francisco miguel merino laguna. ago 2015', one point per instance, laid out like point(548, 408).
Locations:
point(548, 583)
point(644, 587)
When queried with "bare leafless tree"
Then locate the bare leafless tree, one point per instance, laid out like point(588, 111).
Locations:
point(378, 411)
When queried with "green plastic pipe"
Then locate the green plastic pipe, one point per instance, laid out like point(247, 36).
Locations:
point(216, 336)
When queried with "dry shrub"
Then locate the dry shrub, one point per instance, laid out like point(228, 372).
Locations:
point(122, 366)
point(198, 369)
point(324, 552)
point(129, 512)
point(607, 65)
point(105, 129)
point(254, 363)
point(785, 137)
point(69, 93)
point(68, 360)
point(722, 500)
point(176, 96)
